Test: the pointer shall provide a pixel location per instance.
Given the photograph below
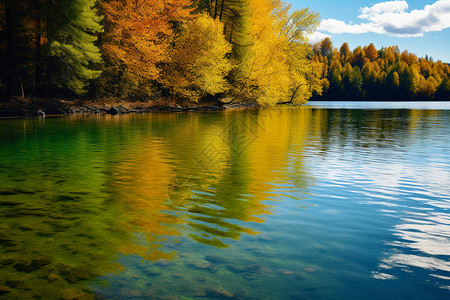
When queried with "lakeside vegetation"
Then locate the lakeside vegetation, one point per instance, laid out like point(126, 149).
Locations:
point(238, 50)
point(195, 52)
point(386, 74)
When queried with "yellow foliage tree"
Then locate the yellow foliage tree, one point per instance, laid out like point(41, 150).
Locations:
point(277, 67)
point(198, 65)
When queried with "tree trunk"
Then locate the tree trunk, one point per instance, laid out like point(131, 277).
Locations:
point(50, 60)
point(11, 50)
point(231, 32)
point(221, 10)
point(292, 97)
point(215, 9)
point(37, 62)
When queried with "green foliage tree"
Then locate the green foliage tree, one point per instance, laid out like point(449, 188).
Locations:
point(52, 38)
point(72, 44)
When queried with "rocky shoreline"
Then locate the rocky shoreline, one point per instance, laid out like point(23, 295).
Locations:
point(20, 108)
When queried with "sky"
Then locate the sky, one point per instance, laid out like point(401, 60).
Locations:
point(419, 26)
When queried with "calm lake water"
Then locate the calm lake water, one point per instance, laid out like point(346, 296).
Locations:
point(326, 201)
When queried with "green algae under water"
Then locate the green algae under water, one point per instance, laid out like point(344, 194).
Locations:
point(321, 202)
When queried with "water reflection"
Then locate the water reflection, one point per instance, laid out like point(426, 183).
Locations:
point(289, 194)
point(422, 241)
point(216, 191)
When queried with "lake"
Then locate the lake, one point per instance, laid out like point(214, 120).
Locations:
point(331, 200)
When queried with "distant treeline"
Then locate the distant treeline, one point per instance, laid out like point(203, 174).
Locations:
point(386, 74)
point(212, 50)
point(237, 50)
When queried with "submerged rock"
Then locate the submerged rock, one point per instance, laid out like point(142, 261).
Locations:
point(74, 294)
point(6, 260)
point(41, 261)
point(24, 267)
point(200, 279)
point(254, 268)
point(215, 259)
point(13, 282)
point(151, 272)
point(127, 293)
point(265, 238)
point(53, 277)
point(163, 262)
point(310, 270)
point(201, 265)
point(250, 276)
point(236, 268)
point(81, 272)
point(285, 272)
point(218, 293)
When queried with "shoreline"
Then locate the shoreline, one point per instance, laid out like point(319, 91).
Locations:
point(24, 108)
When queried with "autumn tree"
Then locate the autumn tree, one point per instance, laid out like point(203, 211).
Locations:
point(137, 38)
point(443, 90)
point(385, 74)
point(345, 50)
point(371, 52)
point(277, 64)
point(357, 57)
point(235, 15)
point(326, 47)
point(197, 64)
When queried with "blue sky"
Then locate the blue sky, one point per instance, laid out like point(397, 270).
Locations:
point(419, 26)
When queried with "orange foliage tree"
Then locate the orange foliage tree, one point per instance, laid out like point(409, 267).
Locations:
point(138, 34)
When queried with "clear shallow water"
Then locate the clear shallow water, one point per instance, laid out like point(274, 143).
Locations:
point(309, 203)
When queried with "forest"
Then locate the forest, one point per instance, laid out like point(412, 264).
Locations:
point(386, 74)
point(222, 51)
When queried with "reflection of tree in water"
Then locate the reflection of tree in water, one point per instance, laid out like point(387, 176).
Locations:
point(219, 203)
point(82, 194)
point(421, 238)
point(59, 227)
point(362, 128)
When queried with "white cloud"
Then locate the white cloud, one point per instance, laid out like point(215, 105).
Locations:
point(336, 26)
point(392, 18)
point(384, 7)
point(317, 37)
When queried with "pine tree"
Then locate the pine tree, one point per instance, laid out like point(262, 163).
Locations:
point(326, 47)
point(72, 37)
point(344, 50)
